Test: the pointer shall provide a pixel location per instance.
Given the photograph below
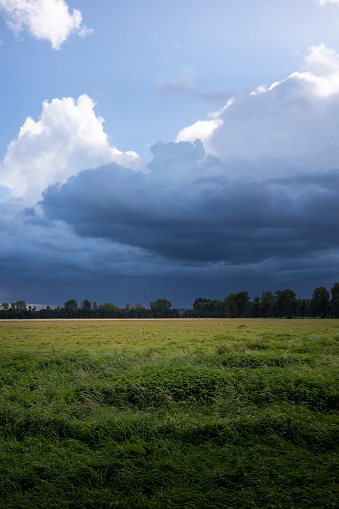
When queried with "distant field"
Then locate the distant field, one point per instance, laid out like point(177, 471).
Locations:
point(197, 413)
point(164, 334)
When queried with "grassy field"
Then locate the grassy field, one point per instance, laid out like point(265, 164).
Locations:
point(169, 414)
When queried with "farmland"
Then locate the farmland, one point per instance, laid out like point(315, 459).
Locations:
point(201, 413)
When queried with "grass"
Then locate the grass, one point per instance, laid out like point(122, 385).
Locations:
point(169, 414)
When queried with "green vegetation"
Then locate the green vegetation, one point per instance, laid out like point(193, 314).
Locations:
point(169, 414)
point(283, 304)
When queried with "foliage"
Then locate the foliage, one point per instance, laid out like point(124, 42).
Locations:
point(335, 300)
point(320, 304)
point(236, 305)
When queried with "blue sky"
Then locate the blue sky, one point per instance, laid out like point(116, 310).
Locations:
point(177, 150)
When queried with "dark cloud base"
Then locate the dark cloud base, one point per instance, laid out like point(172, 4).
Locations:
point(195, 216)
point(180, 232)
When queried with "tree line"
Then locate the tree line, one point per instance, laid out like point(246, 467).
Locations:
point(160, 308)
point(281, 304)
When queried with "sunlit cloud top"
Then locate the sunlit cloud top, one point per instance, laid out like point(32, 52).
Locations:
point(50, 20)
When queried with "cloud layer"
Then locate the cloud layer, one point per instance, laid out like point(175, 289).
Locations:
point(197, 216)
point(256, 200)
point(49, 20)
point(266, 191)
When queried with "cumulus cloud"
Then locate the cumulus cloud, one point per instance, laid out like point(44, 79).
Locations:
point(322, 61)
point(264, 194)
point(203, 129)
point(288, 126)
point(67, 138)
point(49, 20)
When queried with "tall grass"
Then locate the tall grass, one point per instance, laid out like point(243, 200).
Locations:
point(227, 417)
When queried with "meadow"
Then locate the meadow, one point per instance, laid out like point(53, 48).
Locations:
point(201, 413)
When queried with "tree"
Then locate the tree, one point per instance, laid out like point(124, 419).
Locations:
point(285, 303)
point(108, 310)
point(199, 301)
point(5, 306)
point(160, 308)
point(237, 305)
point(256, 307)
point(267, 304)
point(20, 305)
point(18, 309)
point(320, 303)
point(302, 308)
point(71, 308)
point(335, 300)
point(85, 309)
point(208, 308)
point(86, 305)
point(140, 311)
point(230, 305)
point(189, 313)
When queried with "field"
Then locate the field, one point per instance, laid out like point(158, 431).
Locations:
point(223, 413)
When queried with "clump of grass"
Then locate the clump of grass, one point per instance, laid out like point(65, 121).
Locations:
point(258, 346)
point(223, 349)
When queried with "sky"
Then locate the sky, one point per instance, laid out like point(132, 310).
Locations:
point(168, 149)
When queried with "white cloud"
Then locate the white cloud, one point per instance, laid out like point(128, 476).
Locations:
point(322, 61)
point(183, 83)
point(44, 19)
point(67, 138)
point(202, 129)
point(291, 126)
point(325, 2)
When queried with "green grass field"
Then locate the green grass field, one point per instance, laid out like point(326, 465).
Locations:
point(169, 414)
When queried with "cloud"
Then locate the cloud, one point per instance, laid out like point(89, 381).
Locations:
point(199, 216)
point(184, 84)
point(257, 200)
point(323, 63)
point(287, 127)
point(325, 2)
point(203, 129)
point(46, 260)
point(49, 20)
point(67, 138)
point(264, 196)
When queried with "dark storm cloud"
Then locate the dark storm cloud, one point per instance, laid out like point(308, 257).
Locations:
point(185, 210)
